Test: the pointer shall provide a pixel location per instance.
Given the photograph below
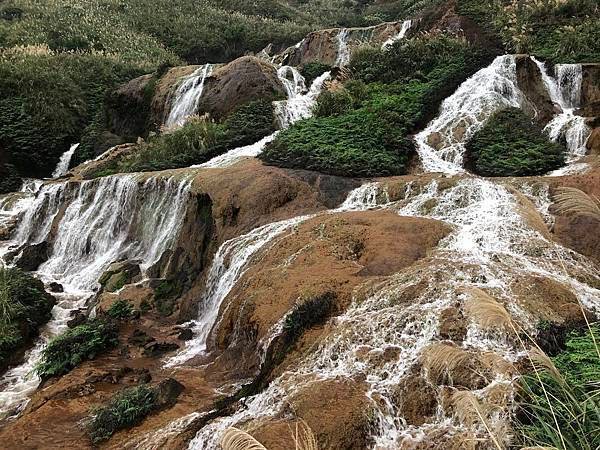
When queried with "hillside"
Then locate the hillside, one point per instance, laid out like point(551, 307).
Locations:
point(327, 225)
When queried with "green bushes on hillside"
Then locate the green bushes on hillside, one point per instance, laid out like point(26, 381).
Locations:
point(511, 144)
point(24, 308)
point(68, 350)
point(364, 129)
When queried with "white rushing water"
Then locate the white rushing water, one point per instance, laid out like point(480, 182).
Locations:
point(441, 145)
point(65, 160)
point(343, 50)
point(101, 221)
point(565, 91)
point(406, 25)
point(235, 256)
point(187, 96)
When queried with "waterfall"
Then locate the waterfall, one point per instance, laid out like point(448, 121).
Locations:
point(343, 51)
point(441, 145)
point(406, 25)
point(294, 86)
point(492, 247)
point(233, 259)
point(300, 106)
point(565, 91)
point(101, 221)
point(65, 160)
point(187, 96)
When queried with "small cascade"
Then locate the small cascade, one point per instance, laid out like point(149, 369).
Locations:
point(343, 50)
point(493, 247)
point(565, 91)
point(441, 145)
point(232, 156)
point(187, 96)
point(299, 106)
point(101, 221)
point(293, 82)
point(65, 160)
point(406, 25)
point(233, 259)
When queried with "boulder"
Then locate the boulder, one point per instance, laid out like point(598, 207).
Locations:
point(241, 81)
point(590, 85)
point(128, 107)
point(32, 256)
point(56, 287)
point(119, 274)
point(593, 142)
point(167, 392)
point(529, 78)
point(105, 161)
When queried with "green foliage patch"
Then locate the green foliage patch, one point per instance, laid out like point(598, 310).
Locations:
point(84, 342)
point(511, 144)
point(121, 309)
point(125, 409)
point(24, 307)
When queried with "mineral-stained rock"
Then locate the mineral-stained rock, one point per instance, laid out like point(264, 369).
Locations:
point(32, 256)
point(119, 274)
point(529, 79)
point(590, 84)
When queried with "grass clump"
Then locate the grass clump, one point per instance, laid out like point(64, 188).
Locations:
point(127, 408)
point(84, 342)
point(24, 307)
point(120, 310)
point(568, 417)
point(308, 313)
point(511, 144)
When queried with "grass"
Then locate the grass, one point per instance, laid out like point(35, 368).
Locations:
point(68, 350)
point(569, 200)
point(125, 409)
point(511, 144)
point(24, 308)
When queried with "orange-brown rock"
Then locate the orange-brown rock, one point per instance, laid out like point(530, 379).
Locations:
point(529, 78)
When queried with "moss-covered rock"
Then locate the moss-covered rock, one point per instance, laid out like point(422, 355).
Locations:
point(511, 144)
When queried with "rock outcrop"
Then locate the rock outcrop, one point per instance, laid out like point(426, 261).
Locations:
point(529, 78)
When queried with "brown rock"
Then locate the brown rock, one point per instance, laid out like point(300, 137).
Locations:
point(529, 78)
point(593, 142)
point(590, 84)
point(246, 79)
point(416, 399)
point(128, 108)
point(453, 325)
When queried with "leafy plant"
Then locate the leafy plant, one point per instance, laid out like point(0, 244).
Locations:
point(511, 144)
point(24, 308)
point(76, 345)
point(121, 309)
point(127, 408)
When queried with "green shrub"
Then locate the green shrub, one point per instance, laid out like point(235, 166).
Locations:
point(334, 103)
point(125, 409)
point(121, 309)
point(24, 307)
point(76, 345)
point(10, 181)
point(313, 70)
point(307, 314)
point(248, 124)
point(571, 417)
point(511, 144)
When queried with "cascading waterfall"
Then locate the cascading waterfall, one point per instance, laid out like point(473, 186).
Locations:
point(406, 25)
point(565, 91)
point(343, 50)
point(233, 259)
point(65, 160)
point(187, 96)
point(293, 82)
point(298, 106)
point(102, 221)
point(441, 145)
point(492, 247)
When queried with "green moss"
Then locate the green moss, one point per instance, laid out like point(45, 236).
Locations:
point(511, 144)
point(24, 308)
point(165, 295)
point(307, 314)
point(125, 409)
point(76, 345)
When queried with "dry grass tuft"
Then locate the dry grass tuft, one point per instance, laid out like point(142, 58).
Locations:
point(486, 311)
point(541, 361)
point(570, 200)
point(236, 439)
point(303, 436)
point(470, 411)
point(441, 360)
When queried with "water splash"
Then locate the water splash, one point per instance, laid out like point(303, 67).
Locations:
point(187, 96)
point(343, 50)
point(406, 25)
point(233, 156)
point(293, 82)
point(441, 146)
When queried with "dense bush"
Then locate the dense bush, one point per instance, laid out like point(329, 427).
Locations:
point(313, 70)
point(121, 309)
point(511, 144)
point(76, 345)
point(571, 419)
point(24, 308)
point(125, 409)
point(365, 129)
point(10, 181)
